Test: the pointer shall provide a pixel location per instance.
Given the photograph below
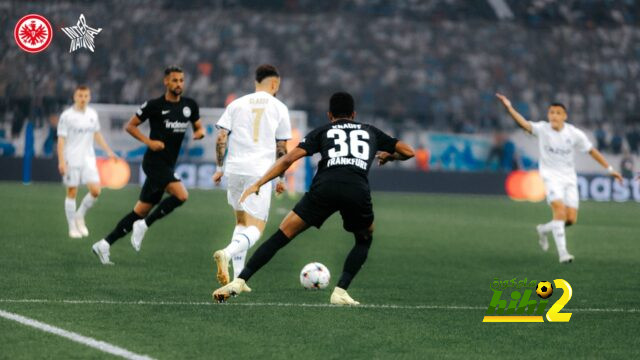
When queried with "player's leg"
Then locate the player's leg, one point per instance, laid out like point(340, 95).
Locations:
point(357, 216)
point(554, 194)
point(251, 219)
point(149, 196)
point(178, 195)
point(70, 211)
point(572, 216)
point(558, 230)
point(87, 202)
point(572, 202)
point(291, 226)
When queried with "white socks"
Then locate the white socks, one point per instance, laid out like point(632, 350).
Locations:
point(557, 228)
point(243, 239)
point(238, 263)
point(70, 211)
point(548, 227)
point(85, 205)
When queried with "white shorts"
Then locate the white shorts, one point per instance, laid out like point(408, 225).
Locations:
point(567, 192)
point(255, 205)
point(77, 175)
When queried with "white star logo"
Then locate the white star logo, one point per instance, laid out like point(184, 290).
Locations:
point(81, 35)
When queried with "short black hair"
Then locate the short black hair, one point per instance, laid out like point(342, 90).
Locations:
point(264, 71)
point(341, 104)
point(559, 104)
point(172, 68)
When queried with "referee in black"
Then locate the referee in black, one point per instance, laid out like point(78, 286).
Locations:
point(169, 117)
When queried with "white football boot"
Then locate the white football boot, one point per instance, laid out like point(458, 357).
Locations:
point(101, 249)
point(139, 229)
point(566, 258)
point(74, 233)
point(233, 288)
point(222, 260)
point(542, 238)
point(82, 227)
point(341, 297)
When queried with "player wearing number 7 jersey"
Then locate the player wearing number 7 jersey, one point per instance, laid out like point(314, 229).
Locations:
point(348, 149)
point(256, 128)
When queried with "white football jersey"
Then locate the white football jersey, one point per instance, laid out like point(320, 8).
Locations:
point(557, 150)
point(255, 122)
point(78, 129)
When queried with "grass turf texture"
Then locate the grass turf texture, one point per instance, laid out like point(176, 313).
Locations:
point(427, 250)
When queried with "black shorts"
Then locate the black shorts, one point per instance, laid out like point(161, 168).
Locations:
point(158, 177)
point(353, 201)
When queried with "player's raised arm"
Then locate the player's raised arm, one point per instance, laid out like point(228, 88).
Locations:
point(278, 168)
point(520, 120)
point(597, 156)
point(221, 148)
point(403, 152)
point(97, 136)
point(132, 128)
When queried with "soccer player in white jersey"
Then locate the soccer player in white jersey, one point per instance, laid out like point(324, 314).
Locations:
point(77, 129)
point(256, 128)
point(557, 142)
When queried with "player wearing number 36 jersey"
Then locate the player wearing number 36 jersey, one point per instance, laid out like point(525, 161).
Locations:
point(348, 149)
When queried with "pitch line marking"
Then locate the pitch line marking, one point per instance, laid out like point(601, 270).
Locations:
point(278, 304)
point(85, 340)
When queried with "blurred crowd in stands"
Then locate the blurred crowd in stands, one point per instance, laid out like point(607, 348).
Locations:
point(433, 64)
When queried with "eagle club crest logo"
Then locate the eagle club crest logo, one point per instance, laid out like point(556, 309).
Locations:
point(81, 35)
point(33, 33)
point(186, 111)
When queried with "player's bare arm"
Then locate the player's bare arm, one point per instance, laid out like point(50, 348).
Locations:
point(198, 130)
point(403, 152)
point(597, 156)
point(62, 165)
point(520, 120)
point(278, 168)
point(281, 150)
point(103, 144)
point(132, 128)
point(221, 148)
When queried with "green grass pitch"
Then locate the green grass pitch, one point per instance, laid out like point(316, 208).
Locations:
point(433, 257)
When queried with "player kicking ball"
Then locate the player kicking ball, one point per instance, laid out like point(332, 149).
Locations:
point(558, 141)
point(169, 117)
point(348, 149)
point(77, 129)
point(256, 128)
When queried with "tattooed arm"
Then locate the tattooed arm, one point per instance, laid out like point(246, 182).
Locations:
point(281, 150)
point(221, 148)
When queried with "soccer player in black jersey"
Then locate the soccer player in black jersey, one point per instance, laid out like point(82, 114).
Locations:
point(348, 149)
point(169, 117)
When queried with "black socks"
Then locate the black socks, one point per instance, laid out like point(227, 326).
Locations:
point(165, 207)
point(355, 259)
point(264, 253)
point(123, 227)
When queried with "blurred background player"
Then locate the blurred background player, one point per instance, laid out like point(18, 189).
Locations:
point(348, 149)
point(77, 129)
point(169, 117)
point(557, 141)
point(259, 126)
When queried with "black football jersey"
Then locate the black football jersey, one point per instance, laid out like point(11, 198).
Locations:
point(348, 149)
point(168, 122)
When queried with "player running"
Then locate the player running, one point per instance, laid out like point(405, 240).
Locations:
point(347, 148)
point(557, 141)
point(169, 117)
point(257, 128)
point(77, 129)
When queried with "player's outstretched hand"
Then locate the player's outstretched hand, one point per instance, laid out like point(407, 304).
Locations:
point(280, 187)
point(198, 134)
point(506, 102)
point(384, 157)
point(156, 145)
point(217, 177)
point(253, 189)
point(618, 177)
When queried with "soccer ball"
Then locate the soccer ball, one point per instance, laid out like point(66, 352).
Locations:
point(315, 276)
point(544, 289)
